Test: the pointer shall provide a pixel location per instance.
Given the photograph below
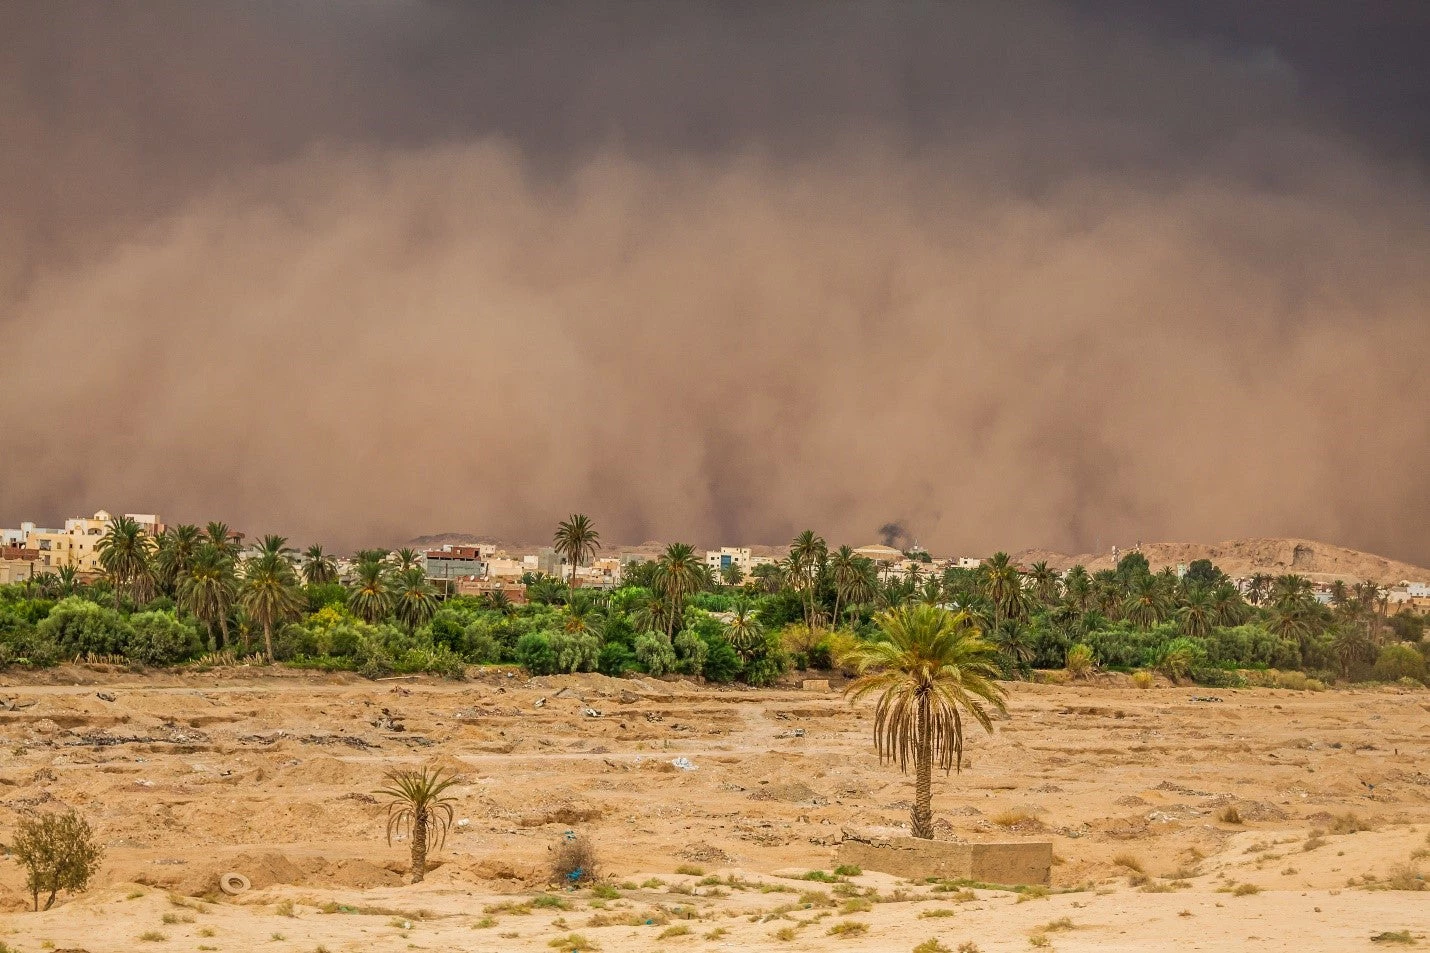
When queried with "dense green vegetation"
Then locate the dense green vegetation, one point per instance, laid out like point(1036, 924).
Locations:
point(191, 597)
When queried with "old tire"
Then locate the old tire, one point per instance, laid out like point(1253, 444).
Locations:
point(233, 884)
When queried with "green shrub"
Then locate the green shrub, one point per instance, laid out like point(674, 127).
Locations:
point(58, 852)
point(1080, 661)
point(616, 660)
point(575, 651)
point(722, 663)
point(534, 653)
point(157, 638)
point(655, 653)
point(690, 653)
point(77, 626)
point(1399, 661)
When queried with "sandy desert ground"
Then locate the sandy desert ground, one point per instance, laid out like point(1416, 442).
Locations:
point(188, 776)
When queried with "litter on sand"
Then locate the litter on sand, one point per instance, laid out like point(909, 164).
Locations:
point(683, 763)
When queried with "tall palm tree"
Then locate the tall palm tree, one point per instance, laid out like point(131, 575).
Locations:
point(807, 553)
point(770, 576)
point(744, 630)
point(1257, 587)
point(1197, 613)
point(732, 575)
point(271, 545)
point(420, 807)
point(576, 539)
point(1003, 588)
point(209, 589)
point(1077, 588)
point(405, 559)
point(415, 602)
point(177, 546)
point(318, 567)
point(124, 553)
point(844, 568)
point(270, 593)
point(229, 542)
point(677, 575)
point(1228, 605)
point(371, 598)
point(930, 669)
point(1147, 603)
point(1045, 583)
point(1290, 588)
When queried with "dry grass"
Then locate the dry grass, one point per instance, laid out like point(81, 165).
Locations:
point(573, 861)
point(931, 945)
point(1143, 679)
point(1350, 823)
point(848, 928)
point(1229, 815)
point(1014, 817)
point(1130, 862)
point(572, 941)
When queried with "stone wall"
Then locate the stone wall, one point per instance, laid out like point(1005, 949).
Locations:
point(1028, 862)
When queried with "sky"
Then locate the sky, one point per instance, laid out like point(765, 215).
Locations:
point(1025, 274)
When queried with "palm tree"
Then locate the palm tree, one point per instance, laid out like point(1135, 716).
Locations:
point(770, 576)
point(208, 590)
point(1045, 583)
point(1257, 587)
point(318, 567)
point(269, 594)
point(576, 539)
point(371, 599)
point(744, 630)
point(930, 669)
point(175, 555)
point(807, 553)
point(271, 545)
point(677, 575)
point(844, 567)
point(1003, 588)
point(1146, 604)
point(1077, 588)
point(229, 542)
point(415, 601)
point(124, 554)
point(67, 580)
point(1197, 613)
point(405, 558)
point(498, 599)
point(1289, 589)
point(1228, 605)
point(732, 575)
point(420, 807)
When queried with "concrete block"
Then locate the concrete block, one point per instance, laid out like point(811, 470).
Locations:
point(815, 684)
point(1011, 863)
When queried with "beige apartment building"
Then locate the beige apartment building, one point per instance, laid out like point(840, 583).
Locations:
point(75, 544)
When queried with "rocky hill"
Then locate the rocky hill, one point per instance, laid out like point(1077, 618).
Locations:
point(1323, 562)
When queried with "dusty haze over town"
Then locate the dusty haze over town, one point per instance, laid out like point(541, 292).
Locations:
point(1034, 274)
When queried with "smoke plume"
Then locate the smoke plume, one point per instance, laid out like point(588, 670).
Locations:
point(1026, 277)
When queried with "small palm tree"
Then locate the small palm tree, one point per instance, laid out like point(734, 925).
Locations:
point(405, 558)
point(844, 567)
point(1045, 582)
point(371, 599)
point(419, 807)
point(744, 630)
point(218, 534)
point(931, 669)
point(177, 546)
point(1003, 588)
point(576, 539)
point(416, 601)
point(1198, 613)
point(318, 567)
point(124, 555)
point(1146, 604)
point(67, 580)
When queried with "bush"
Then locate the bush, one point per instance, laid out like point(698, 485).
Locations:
point(1399, 661)
point(58, 852)
point(655, 652)
point(1143, 679)
point(157, 638)
point(690, 653)
point(722, 663)
point(78, 627)
point(573, 860)
point(1080, 661)
point(616, 660)
point(1179, 657)
point(575, 651)
point(534, 653)
point(24, 645)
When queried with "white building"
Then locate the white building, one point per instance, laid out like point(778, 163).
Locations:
point(718, 559)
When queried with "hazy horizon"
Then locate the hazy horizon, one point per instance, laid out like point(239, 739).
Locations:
point(1039, 274)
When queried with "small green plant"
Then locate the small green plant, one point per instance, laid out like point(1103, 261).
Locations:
point(679, 929)
point(1039, 940)
point(605, 892)
point(856, 905)
point(548, 901)
point(152, 936)
point(690, 870)
point(936, 913)
point(58, 852)
point(1143, 679)
point(1080, 661)
point(931, 945)
point(1394, 936)
point(968, 946)
point(848, 870)
point(848, 928)
point(574, 942)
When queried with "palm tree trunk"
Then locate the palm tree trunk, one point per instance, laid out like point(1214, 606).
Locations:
point(419, 846)
point(222, 631)
point(268, 640)
point(923, 776)
point(834, 622)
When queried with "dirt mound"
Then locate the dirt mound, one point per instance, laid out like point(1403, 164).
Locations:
point(262, 870)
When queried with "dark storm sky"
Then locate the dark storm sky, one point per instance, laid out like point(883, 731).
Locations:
point(1016, 274)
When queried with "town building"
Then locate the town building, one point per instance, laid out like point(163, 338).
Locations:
point(453, 562)
point(75, 544)
point(726, 556)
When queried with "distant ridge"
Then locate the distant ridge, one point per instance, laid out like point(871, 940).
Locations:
point(1322, 562)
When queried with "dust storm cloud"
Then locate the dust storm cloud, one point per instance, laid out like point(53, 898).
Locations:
point(717, 276)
